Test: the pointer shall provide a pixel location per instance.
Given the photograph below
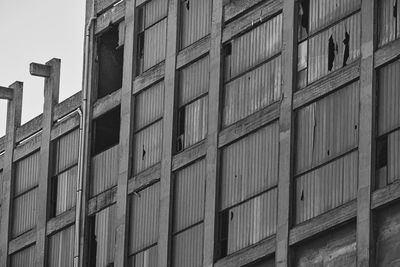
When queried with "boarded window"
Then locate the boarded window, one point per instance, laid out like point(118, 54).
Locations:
point(388, 21)
point(104, 170)
point(61, 248)
point(188, 247)
point(24, 257)
point(65, 151)
point(145, 258)
point(149, 105)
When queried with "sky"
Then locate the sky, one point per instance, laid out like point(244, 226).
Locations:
point(37, 31)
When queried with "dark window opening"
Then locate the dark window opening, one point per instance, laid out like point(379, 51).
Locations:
point(381, 162)
point(187, 4)
point(395, 9)
point(181, 130)
point(304, 10)
point(110, 61)
point(140, 53)
point(223, 232)
point(331, 53)
point(228, 49)
point(92, 248)
point(106, 131)
point(346, 43)
point(53, 196)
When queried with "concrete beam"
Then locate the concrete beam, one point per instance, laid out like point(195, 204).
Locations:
point(40, 70)
point(6, 93)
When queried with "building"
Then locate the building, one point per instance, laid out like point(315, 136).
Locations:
point(213, 133)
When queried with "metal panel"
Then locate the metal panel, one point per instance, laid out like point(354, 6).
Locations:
point(24, 213)
point(26, 173)
point(252, 221)
point(189, 195)
point(327, 187)
point(393, 157)
point(254, 47)
point(196, 117)
point(1, 184)
point(388, 21)
point(154, 11)
point(144, 212)
point(149, 105)
point(269, 262)
point(318, 47)
point(105, 227)
point(389, 97)
point(61, 248)
point(24, 258)
point(194, 80)
point(104, 170)
point(327, 128)
point(66, 190)
point(146, 258)
point(188, 247)
point(252, 92)
point(249, 166)
point(195, 20)
point(66, 153)
point(147, 147)
point(154, 44)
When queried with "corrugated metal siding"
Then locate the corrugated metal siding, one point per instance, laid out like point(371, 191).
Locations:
point(105, 227)
point(249, 166)
point(24, 258)
point(252, 92)
point(61, 248)
point(149, 105)
point(389, 97)
point(146, 258)
point(388, 24)
point(188, 247)
point(26, 173)
point(66, 190)
point(154, 44)
point(195, 20)
point(144, 212)
point(189, 184)
point(327, 187)
point(24, 217)
point(318, 47)
point(327, 128)
point(1, 184)
point(196, 118)
point(252, 221)
point(147, 147)
point(393, 157)
point(154, 11)
point(324, 12)
point(194, 80)
point(254, 47)
point(66, 151)
point(104, 170)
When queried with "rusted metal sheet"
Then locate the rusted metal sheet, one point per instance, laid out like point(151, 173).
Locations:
point(252, 221)
point(66, 190)
point(149, 105)
point(188, 247)
point(252, 92)
point(147, 147)
point(66, 151)
point(196, 118)
point(104, 170)
point(194, 80)
point(249, 166)
point(24, 213)
point(253, 47)
point(393, 164)
point(189, 192)
point(327, 128)
point(388, 21)
point(195, 20)
point(26, 173)
point(327, 187)
point(25, 257)
point(61, 248)
point(105, 227)
point(154, 11)
point(146, 258)
point(389, 97)
point(144, 214)
point(154, 44)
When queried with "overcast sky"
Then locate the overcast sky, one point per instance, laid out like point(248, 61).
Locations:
point(36, 31)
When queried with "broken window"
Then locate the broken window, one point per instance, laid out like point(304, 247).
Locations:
point(388, 21)
point(110, 60)
point(106, 131)
point(381, 162)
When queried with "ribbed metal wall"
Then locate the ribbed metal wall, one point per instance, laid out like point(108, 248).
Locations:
point(195, 20)
point(154, 11)
point(318, 47)
point(149, 105)
point(61, 248)
point(147, 147)
point(154, 44)
point(66, 190)
point(188, 247)
point(327, 187)
point(389, 97)
point(324, 12)
point(393, 164)
point(194, 80)
point(104, 170)
point(388, 24)
point(24, 258)
point(249, 166)
point(327, 128)
point(254, 47)
point(105, 227)
point(66, 153)
point(252, 91)
point(146, 258)
point(189, 193)
point(196, 118)
point(26, 173)
point(24, 213)
point(252, 221)
point(143, 224)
